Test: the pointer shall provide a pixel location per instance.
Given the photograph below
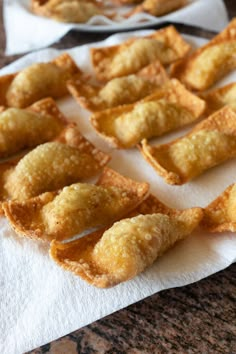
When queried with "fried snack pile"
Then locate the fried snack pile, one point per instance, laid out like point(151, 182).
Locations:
point(80, 11)
point(142, 88)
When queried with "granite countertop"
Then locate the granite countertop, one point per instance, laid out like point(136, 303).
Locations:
point(198, 318)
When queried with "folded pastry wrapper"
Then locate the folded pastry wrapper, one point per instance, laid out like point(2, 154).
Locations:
point(127, 58)
point(118, 91)
point(65, 213)
point(220, 215)
point(210, 143)
point(50, 166)
point(38, 81)
point(119, 253)
point(209, 63)
point(26, 128)
point(169, 108)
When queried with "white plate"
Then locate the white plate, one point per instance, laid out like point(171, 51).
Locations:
point(26, 31)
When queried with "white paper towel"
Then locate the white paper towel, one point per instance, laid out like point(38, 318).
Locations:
point(27, 32)
point(41, 302)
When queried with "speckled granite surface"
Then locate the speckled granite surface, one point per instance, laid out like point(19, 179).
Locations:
point(198, 318)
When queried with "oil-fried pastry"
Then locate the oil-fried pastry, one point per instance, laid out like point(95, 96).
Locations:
point(158, 7)
point(53, 165)
point(126, 2)
point(210, 143)
point(38, 81)
point(62, 214)
point(169, 108)
point(77, 11)
point(209, 63)
point(119, 253)
point(127, 58)
point(220, 97)
point(24, 128)
point(220, 215)
point(118, 91)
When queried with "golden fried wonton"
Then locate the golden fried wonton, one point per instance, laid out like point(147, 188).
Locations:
point(53, 165)
point(220, 97)
point(210, 143)
point(77, 11)
point(119, 253)
point(158, 7)
point(220, 215)
point(169, 108)
point(209, 63)
point(24, 128)
point(62, 214)
point(127, 58)
point(38, 81)
point(118, 91)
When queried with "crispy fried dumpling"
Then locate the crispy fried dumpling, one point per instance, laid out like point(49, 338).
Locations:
point(165, 45)
point(220, 97)
point(60, 215)
point(158, 7)
point(77, 11)
point(126, 2)
point(53, 165)
point(220, 215)
point(119, 91)
point(209, 63)
point(40, 80)
point(210, 143)
point(108, 257)
point(24, 128)
point(169, 108)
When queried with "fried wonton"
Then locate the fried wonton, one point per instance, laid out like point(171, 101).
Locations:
point(220, 97)
point(158, 7)
point(38, 81)
point(118, 91)
point(110, 256)
point(126, 2)
point(169, 108)
point(210, 143)
point(52, 165)
point(77, 11)
point(209, 63)
point(127, 58)
point(220, 215)
point(62, 214)
point(25, 128)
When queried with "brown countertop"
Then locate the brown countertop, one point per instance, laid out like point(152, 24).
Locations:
point(198, 318)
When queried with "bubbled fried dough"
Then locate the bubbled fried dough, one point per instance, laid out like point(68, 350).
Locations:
point(220, 215)
point(169, 108)
point(53, 165)
point(158, 7)
point(220, 97)
point(62, 214)
point(107, 258)
point(118, 91)
point(209, 63)
point(24, 128)
point(77, 11)
point(38, 81)
point(165, 45)
point(210, 143)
